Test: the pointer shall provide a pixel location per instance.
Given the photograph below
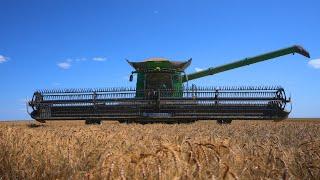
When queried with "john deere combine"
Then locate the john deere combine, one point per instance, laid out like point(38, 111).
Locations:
point(162, 94)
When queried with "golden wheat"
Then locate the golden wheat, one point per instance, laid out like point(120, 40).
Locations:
point(201, 150)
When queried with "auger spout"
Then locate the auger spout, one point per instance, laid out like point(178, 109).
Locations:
point(247, 61)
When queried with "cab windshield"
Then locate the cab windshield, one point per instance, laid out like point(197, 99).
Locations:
point(158, 81)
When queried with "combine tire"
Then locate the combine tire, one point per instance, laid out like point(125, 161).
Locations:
point(224, 121)
point(125, 121)
point(93, 121)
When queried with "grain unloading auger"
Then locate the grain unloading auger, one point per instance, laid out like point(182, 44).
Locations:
point(160, 96)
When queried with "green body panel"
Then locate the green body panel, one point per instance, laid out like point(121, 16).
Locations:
point(140, 84)
point(245, 62)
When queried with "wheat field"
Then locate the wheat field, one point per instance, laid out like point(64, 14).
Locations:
point(202, 150)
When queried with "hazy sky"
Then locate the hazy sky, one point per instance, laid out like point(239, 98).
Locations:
point(58, 44)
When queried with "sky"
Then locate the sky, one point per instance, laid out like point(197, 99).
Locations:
point(53, 44)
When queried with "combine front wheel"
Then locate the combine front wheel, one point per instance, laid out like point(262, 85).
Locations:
point(93, 121)
point(224, 121)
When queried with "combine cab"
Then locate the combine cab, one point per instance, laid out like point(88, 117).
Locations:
point(160, 96)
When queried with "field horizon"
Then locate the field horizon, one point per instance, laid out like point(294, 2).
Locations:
point(288, 119)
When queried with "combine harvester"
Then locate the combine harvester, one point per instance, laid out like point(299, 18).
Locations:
point(160, 96)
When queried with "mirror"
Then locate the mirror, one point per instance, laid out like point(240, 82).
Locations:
point(131, 78)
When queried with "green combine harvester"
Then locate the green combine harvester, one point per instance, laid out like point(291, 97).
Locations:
point(162, 94)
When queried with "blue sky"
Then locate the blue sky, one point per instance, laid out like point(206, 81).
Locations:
point(59, 44)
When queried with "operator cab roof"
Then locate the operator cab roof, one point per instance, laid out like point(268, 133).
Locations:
point(161, 62)
point(158, 59)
